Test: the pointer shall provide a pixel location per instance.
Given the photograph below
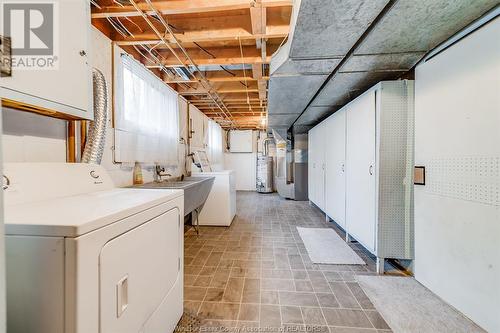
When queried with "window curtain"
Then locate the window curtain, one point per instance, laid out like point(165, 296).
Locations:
point(146, 117)
point(215, 146)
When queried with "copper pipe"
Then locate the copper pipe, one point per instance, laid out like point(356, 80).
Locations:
point(71, 142)
point(83, 136)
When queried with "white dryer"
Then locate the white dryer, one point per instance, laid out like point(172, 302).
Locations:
point(84, 256)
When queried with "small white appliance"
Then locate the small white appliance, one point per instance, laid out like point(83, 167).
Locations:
point(220, 207)
point(83, 256)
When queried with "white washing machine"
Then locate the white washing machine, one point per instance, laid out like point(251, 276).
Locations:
point(84, 256)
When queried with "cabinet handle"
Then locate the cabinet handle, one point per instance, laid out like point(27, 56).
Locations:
point(6, 182)
point(370, 170)
point(343, 167)
point(121, 296)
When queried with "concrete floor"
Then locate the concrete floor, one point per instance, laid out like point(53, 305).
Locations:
point(256, 275)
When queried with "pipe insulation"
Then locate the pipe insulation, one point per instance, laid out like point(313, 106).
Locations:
point(94, 147)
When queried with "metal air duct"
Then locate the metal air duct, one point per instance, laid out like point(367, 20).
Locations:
point(94, 147)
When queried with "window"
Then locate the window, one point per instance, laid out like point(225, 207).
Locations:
point(146, 117)
point(214, 150)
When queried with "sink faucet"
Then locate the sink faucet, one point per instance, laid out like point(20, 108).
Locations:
point(158, 173)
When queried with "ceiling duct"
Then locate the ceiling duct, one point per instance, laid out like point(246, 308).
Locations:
point(183, 72)
point(337, 49)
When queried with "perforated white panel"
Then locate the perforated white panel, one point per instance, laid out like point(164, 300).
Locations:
point(395, 232)
point(471, 178)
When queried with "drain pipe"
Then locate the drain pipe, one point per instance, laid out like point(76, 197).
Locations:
point(94, 148)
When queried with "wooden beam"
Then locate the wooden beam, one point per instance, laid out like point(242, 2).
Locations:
point(234, 98)
point(185, 7)
point(257, 71)
point(258, 18)
point(215, 56)
point(219, 79)
point(219, 91)
point(233, 106)
point(279, 31)
point(262, 84)
point(242, 111)
point(263, 49)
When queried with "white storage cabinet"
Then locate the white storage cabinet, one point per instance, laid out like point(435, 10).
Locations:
point(316, 165)
point(67, 89)
point(366, 149)
point(335, 167)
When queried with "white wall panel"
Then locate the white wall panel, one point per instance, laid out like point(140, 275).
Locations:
point(457, 213)
point(244, 166)
point(29, 137)
point(241, 141)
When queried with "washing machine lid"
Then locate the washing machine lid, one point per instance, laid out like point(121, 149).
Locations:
point(69, 199)
point(76, 215)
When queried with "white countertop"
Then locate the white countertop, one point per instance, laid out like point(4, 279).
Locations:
point(76, 215)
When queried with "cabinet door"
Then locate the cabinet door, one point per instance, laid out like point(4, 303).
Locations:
point(67, 89)
point(335, 167)
point(360, 170)
point(312, 164)
point(320, 166)
point(137, 270)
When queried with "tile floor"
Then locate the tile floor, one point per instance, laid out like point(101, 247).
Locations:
point(256, 275)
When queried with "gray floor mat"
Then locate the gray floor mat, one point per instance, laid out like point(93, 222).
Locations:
point(407, 306)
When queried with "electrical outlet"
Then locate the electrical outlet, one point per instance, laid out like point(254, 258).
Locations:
point(5, 57)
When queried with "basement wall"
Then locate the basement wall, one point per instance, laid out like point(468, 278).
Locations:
point(245, 164)
point(457, 215)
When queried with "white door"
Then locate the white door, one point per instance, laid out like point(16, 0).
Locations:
point(360, 170)
point(335, 167)
point(312, 164)
point(137, 270)
point(320, 166)
point(316, 153)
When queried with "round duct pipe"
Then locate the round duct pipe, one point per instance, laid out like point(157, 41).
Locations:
point(94, 147)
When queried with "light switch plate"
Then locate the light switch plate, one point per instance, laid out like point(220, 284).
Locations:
point(5, 57)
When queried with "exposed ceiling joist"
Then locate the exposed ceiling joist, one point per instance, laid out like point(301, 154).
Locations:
point(185, 7)
point(206, 36)
point(216, 56)
point(225, 38)
point(257, 71)
point(262, 89)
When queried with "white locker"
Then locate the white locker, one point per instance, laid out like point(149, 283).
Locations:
point(379, 170)
point(374, 136)
point(361, 189)
point(335, 167)
point(311, 165)
point(316, 184)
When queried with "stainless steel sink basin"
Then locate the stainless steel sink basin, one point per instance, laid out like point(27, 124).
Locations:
point(196, 190)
